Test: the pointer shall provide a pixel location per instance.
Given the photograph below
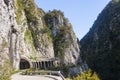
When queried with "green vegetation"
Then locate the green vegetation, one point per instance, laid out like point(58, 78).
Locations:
point(40, 12)
point(63, 68)
point(33, 71)
point(28, 7)
point(86, 76)
point(28, 38)
point(59, 45)
point(116, 0)
point(60, 42)
point(27, 71)
point(33, 58)
point(103, 52)
point(6, 71)
point(19, 8)
point(47, 31)
point(4, 43)
point(30, 11)
point(31, 34)
point(51, 16)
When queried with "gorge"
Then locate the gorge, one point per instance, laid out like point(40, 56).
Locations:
point(33, 38)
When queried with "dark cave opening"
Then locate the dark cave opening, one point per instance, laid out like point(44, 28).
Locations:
point(24, 64)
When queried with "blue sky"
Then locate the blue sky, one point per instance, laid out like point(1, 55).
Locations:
point(81, 13)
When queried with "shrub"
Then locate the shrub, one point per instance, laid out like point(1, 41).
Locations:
point(86, 76)
point(5, 71)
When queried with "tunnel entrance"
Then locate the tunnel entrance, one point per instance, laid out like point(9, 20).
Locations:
point(24, 64)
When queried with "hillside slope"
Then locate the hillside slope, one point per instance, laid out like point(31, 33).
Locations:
point(100, 48)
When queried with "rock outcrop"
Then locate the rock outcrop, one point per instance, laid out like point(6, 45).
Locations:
point(65, 42)
point(26, 31)
point(100, 48)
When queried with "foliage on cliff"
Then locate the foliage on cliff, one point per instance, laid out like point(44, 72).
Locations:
point(5, 71)
point(87, 75)
point(35, 35)
point(100, 47)
point(52, 20)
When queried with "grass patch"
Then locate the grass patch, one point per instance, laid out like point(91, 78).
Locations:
point(6, 71)
point(28, 38)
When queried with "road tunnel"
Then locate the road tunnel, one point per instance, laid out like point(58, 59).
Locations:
point(24, 64)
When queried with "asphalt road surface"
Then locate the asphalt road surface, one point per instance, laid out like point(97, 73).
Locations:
point(35, 77)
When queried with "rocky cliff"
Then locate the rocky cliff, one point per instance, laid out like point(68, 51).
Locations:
point(100, 48)
point(65, 42)
point(26, 31)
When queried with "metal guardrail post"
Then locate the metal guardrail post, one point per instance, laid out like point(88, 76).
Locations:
point(59, 73)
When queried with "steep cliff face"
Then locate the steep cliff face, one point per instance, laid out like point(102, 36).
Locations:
point(26, 31)
point(65, 42)
point(100, 48)
point(22, 33)
point(7, 18)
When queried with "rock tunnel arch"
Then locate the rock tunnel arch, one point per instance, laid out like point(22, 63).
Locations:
point(24, 64)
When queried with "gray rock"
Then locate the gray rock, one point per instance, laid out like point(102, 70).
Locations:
point(24, 34)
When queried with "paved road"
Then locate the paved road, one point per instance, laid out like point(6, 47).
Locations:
point(37, 77)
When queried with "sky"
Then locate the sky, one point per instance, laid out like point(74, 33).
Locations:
point(80, 13)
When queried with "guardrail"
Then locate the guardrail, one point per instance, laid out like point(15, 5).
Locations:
point(48, 72)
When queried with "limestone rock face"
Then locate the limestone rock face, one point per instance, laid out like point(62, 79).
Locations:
point(26, 31)
point(65, 42)
point(7, 19)
point(28, 40)
point(100, 48)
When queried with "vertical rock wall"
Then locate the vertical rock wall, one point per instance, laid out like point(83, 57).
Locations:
point(24, 33)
